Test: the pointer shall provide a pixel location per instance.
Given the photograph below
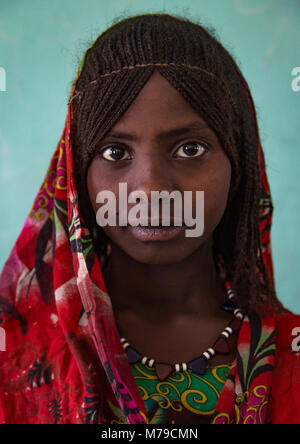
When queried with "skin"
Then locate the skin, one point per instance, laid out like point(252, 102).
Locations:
point(166, 296)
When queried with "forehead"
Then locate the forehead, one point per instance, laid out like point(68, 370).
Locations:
point(158, 104)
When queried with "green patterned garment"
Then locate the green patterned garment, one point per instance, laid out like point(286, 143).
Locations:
point(184, 397)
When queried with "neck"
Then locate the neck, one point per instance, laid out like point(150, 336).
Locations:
point(154, 292)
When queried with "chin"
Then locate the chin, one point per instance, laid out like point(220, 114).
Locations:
point(158, 252)
point(159, 258)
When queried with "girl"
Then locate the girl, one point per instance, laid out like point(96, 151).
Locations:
point(122, 324)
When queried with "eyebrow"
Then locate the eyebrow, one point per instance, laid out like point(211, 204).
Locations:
point(174, 132)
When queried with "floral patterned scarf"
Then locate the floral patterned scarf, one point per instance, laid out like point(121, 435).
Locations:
point(63, 360)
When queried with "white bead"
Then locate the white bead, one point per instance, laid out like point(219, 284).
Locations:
point(207, 355)
point(224, 333)
point(230, 294)
point(151, 362)
point(184, 366)
point(230, 331)
point(144, 360)
point(211, 351)
point(126, 345)
point(238, 314)
point(177, 367)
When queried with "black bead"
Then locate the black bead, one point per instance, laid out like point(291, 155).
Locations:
point(132, 355)
point(198, 365)
point(229, 305)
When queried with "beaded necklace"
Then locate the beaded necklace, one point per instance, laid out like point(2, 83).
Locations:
point(198, 365)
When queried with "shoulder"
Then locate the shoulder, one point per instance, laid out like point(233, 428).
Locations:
point(285, 389)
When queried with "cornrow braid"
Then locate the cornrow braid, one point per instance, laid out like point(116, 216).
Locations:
point(116, 68)
point(78, 94)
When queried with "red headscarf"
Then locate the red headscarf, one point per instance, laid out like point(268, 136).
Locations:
point(63, 360)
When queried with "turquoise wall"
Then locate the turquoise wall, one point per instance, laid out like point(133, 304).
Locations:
point(40, 47)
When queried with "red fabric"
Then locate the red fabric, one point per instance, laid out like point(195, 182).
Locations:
point(63, 360)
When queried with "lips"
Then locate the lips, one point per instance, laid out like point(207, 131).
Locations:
point(157, 222)
point(160, 233)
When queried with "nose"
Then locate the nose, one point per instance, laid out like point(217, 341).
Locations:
point(155, 174)
point(152, 173)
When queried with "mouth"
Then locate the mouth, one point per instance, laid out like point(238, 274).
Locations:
point(157, 222)
point(159, 233)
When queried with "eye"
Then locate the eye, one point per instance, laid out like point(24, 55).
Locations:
point(191, 149)
point(115, 153)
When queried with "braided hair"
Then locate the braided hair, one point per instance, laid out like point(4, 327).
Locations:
point(115, 69)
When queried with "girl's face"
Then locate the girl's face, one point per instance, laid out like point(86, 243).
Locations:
point(147, 159)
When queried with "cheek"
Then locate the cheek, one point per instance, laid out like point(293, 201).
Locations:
point(216, 195)
point(92, 185)
point(96, 181)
